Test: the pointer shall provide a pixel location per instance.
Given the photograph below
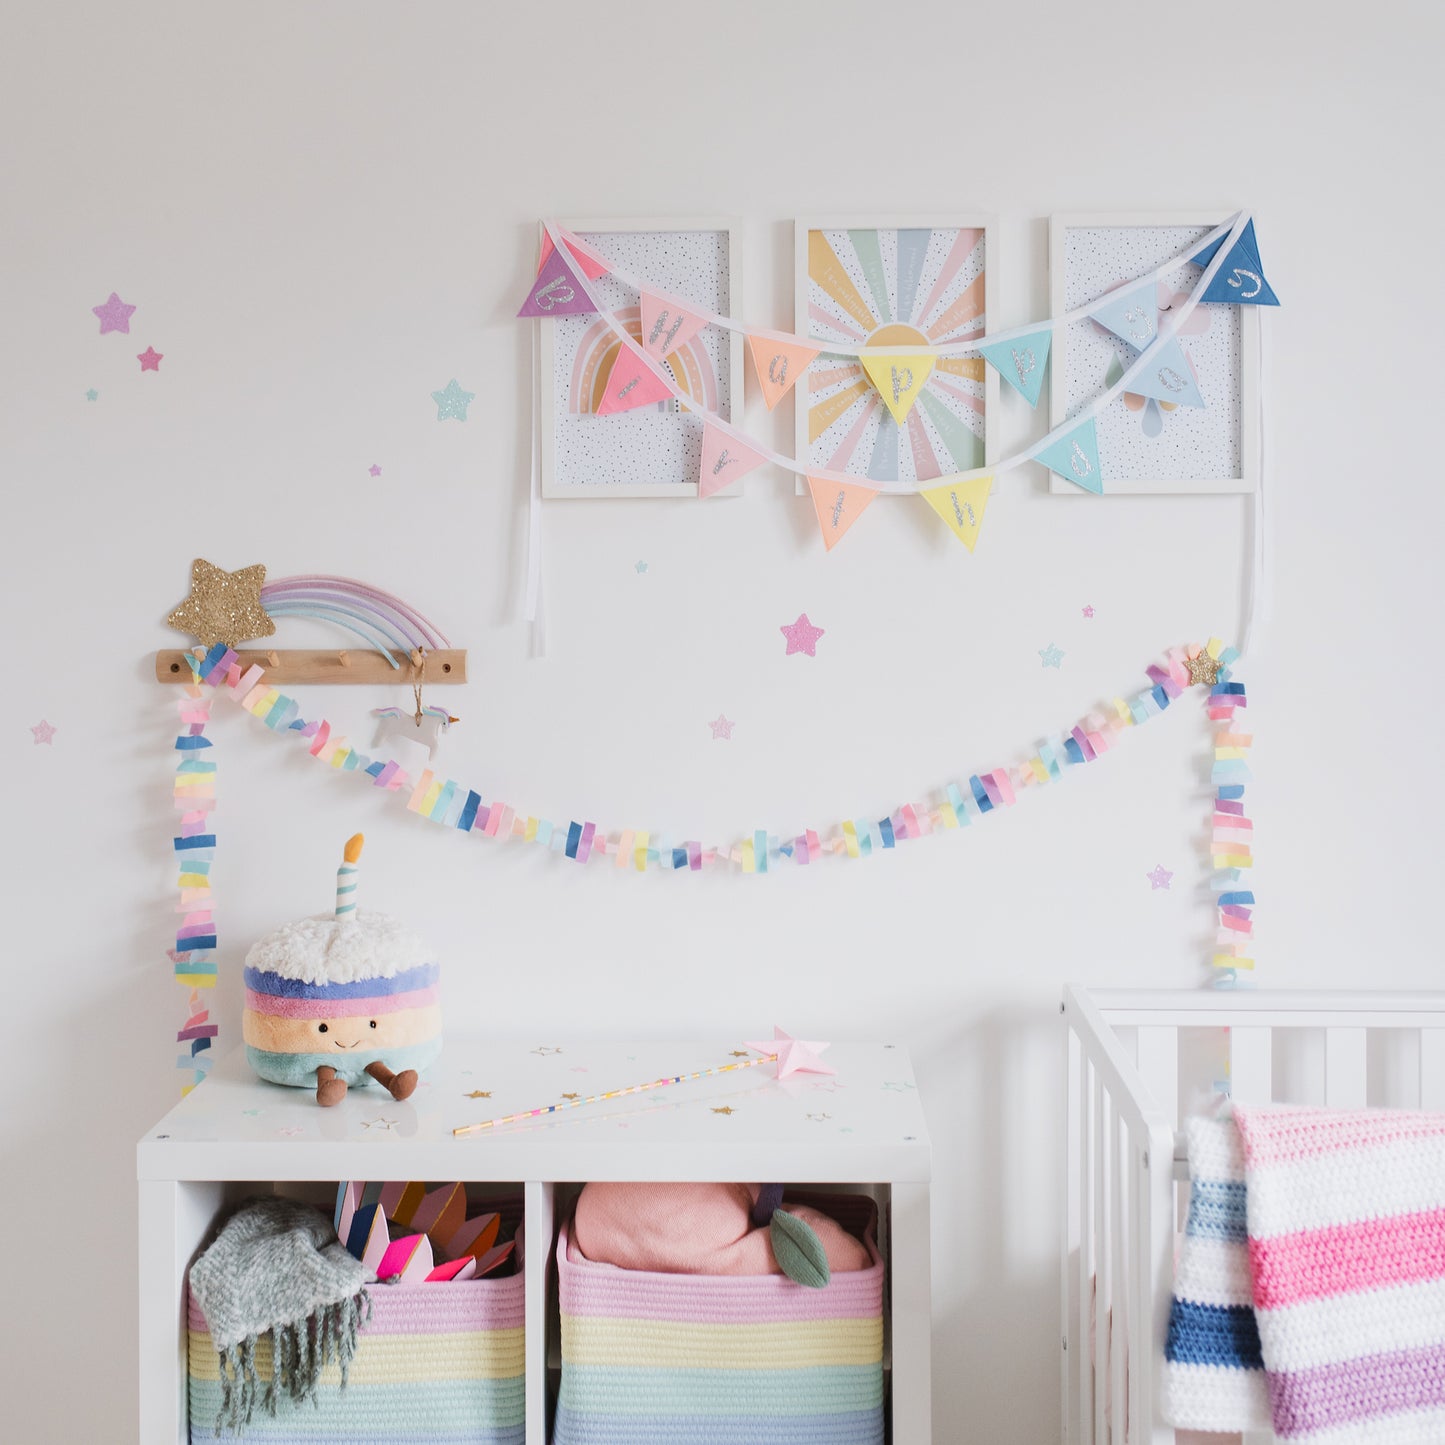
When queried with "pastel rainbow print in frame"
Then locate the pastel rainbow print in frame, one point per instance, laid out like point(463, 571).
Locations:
point(1149, 444)
point(654, 450)
point(895, 282)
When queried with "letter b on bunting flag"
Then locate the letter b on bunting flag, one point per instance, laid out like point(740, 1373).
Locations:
point(838, 505)
point(961, 504)
point(556, 291)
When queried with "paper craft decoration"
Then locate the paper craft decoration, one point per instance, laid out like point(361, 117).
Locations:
point(894, 283)
point(223, 606)
point(795, 1056)
point(339, 1001)
point(595, 442)
point(401, 1232)
point(1180, 428)
point(961, 504)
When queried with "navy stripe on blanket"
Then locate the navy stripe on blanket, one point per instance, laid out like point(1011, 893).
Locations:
point(1225, 1335)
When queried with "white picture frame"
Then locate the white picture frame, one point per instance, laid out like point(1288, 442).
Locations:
point(1146, 448)
point(918, 297)
point(584, 456)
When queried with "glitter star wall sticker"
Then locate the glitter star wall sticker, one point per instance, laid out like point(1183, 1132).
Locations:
point(1203, 668)
point(1159, 877)
point(114, 314)
point(452, 402)
point(1051, 655)
point(802, 636)
point(44, 732)
point(150, 359)
point(223, 606)
point(722, 728)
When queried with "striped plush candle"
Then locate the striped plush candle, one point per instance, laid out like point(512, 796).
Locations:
point(1347, 1256)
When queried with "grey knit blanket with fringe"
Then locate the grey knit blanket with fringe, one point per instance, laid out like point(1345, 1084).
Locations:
point(278, 1268)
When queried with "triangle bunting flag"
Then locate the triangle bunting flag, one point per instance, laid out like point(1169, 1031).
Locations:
point(665, 326)
point(1132, 317)
point(961, 504)
point(1168, 377)
point(1075, 457)
point(1240, 279)
point(593, 268)
point(778, 365)
point(838, 505)
point(724, 460)
point(556, 291)
point(1022, 362)
point(899, 379)
point(632, 383)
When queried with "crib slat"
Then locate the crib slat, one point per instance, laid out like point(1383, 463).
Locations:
point(1070, 1242)
point(1084, 1278)
point(1432, 1069)
point(1250, 1064)
point(1345, 1080)
point(1118, 1317)
point(1159, 1065)
point(1103, 1131)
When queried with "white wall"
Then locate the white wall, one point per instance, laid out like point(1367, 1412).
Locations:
point(324, 211)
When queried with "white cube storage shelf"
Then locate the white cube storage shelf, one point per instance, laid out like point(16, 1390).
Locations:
point(861, 1129)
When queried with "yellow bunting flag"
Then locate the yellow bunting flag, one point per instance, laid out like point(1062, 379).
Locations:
point(899, 379)
point(838, 505)
point(778, 365)
point(961, 505)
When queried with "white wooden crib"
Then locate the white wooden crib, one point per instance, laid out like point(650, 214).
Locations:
point(1134, 1071)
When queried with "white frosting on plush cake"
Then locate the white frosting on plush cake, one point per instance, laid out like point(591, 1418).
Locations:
point(323, 949)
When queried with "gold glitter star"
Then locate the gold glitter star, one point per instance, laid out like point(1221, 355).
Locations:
point(739, 1054)
point(571, 1096)
point(480, 1094)
point(1203, 669)
point(223, 606)
point(726, 1109)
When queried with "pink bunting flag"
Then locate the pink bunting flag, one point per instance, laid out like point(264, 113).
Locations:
point(593, 268)
point(724, 460)
point(632, 384)
point(666, 326)
point(556, 291)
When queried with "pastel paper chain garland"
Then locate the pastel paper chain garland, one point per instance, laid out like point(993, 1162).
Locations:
point(194, 956)
point(1231, 843)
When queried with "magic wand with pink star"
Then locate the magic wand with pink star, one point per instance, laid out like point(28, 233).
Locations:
point(792, 1056)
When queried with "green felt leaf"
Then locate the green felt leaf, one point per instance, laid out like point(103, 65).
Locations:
point(798, 1250)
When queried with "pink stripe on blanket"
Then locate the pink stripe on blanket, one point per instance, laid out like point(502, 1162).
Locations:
point(1346, 1258)
point(1371, 1388)
point(338, 1008)
point(1277, 1136)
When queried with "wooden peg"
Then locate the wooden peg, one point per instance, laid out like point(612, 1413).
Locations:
point(344, 658)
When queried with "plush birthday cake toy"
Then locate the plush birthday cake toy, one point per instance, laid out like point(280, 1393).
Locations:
point(336, 999)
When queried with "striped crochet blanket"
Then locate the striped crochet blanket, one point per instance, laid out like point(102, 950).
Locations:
point(1310, 1287)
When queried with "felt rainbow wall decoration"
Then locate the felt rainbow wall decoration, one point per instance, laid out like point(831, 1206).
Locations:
point(384, 621)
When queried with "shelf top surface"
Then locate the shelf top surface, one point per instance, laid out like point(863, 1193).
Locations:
point(863, 1123)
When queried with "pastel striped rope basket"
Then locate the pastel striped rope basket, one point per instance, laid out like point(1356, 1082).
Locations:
point(659, 1359)
point(441, 1363)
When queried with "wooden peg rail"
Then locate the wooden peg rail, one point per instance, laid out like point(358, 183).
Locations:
point(355, 665)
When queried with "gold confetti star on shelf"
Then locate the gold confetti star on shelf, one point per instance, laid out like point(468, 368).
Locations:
point(223, 606)
point(479, 1094)
point(571, 1096)
point(546, 1050)
point(1203, 669)
point(739, 1054)
point(726, 1109)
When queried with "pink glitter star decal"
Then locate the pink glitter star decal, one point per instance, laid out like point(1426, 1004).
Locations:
point(1088, 611)
point(114, 314)
point(150, 359)
point(374, 470)
point(722, 728)
point(43, 731)
point(1158, 877)
point(802, 636)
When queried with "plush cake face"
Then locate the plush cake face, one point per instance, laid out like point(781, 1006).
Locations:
point(340, 992)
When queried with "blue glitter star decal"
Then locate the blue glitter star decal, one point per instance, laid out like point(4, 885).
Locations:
point(1051, 655)
point(452, 401)
point(92, 394)
point(642, 567)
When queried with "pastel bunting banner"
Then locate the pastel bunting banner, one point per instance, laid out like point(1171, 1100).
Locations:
point(631, 384)
point(1132, 317)
point(666, 326)
point(1240, 280)
point(556, 290)
point(1022, 362)
point(1168, 376)
point(898, 379)
point(961, 504)
point(778, 365)
point(838, 505)
point(724, 461)
point(1075, 457)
